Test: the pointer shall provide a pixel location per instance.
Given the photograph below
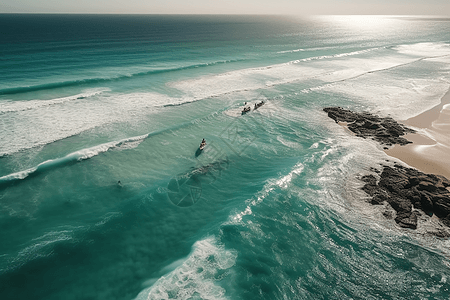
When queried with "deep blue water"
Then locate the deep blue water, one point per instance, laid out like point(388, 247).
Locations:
point(104, 194)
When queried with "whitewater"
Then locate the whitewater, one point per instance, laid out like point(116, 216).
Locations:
point(105, 195)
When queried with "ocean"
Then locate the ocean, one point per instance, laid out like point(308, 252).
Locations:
point(104, 193)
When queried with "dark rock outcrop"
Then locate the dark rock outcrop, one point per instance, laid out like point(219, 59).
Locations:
point(408, 191)
point(404, 188)
point(383, 130)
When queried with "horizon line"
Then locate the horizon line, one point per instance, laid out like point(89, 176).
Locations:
point(215, 14)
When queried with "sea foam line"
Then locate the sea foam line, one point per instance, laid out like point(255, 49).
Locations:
point(196, 276)
point(15, 106)
point(83, 154)
point(72, 157)
point(335, 55)
point(96, 80)
point(305, 49)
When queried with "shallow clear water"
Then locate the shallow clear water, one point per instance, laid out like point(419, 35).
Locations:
point(269, 210)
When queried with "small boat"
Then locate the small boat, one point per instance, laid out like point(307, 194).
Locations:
point(258, 105)
point(200, 149)
point(245, 110)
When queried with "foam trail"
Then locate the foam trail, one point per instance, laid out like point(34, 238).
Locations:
point(291, 51)
point(256, 78)
point(72, 157)
point(87, 153)
point(341, 66)
point(424, 49)
point(306, 49)
point(15, 106)
point(41, 247)
point(34, 127)
point(70, 83)
point(195, 278)
point(335, 55)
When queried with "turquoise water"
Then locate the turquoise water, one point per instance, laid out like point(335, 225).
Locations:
point(104, 194)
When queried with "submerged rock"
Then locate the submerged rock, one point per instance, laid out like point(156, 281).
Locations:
point(383, 130)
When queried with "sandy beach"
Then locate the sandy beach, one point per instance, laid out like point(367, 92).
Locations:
point(430, 150)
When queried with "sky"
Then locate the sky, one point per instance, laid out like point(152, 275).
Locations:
point(291, 7)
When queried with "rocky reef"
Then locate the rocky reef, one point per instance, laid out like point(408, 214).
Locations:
point(408, 191)
point(385, 130)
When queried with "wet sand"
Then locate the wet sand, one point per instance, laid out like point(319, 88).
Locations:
point(430, 150)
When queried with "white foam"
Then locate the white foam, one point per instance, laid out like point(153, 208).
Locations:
point(129, 145)
point(339, 175)
point(288, 143)
point(399, 97)
point(334, 56)
point(41, 246)
point(424, 49)
point(314, 146)
point(74, 156)
point(196, 276)
point(255, 78)
point(93, 151)
point(282, 182)
point(335, 72)
point(108, 217)
point(291, 51)
point(21, 174)
point(307, 49)
point(13, 106)
point(42, 124)
point(285, 180)
point(332, 70)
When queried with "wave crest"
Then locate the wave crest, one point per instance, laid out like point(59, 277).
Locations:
point(72, 157)
point(86, 81)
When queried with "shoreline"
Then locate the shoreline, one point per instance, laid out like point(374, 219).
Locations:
point(412, 193)
point(430, 148)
